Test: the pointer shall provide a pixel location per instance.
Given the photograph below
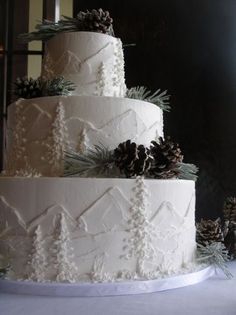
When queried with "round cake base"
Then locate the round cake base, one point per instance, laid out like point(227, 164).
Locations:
point(105, 289)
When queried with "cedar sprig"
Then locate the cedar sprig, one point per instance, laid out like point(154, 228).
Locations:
point(215, 254)
point(161, 99)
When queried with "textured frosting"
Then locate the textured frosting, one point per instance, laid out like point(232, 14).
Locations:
point(78, 229)
point(93, 61)
point(52, 125)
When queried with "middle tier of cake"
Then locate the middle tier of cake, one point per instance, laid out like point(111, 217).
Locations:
point(40, 130)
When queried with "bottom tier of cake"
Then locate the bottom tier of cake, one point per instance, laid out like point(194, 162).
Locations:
point(96, 229)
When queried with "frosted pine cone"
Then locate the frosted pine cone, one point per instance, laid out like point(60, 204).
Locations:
point(96, 21)
point(166, 154)
point(209, 231)
point(28, 88)
point(132, 159)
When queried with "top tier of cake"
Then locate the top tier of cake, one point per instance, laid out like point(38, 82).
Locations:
point(94, 62)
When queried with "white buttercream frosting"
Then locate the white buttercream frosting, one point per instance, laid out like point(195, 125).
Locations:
point(94, 62)
point(88, 226)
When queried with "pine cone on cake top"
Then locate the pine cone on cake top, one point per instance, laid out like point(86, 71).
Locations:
point(96, 21)
point(209, 231)
point(28, 88)
point(132, 159)
point(166, 155)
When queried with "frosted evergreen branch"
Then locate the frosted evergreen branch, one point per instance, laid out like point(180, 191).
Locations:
point(97, 161)
point(96, 21)
point(58, 86)
point(187, 171)
point(215, 254)
point(45, 30)
point(161, 99)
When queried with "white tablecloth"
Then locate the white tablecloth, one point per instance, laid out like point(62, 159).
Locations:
point(216, 296)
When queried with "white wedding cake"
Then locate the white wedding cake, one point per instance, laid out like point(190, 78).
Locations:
point(73, 229)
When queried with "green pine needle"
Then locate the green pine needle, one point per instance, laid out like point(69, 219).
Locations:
point(94, 162)
point(187, 171)
point(215, 254)
point(161, 99)
point(58, 86)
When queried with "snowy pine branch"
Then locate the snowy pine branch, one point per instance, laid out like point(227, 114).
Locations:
point(161, 99)
point(215, 254)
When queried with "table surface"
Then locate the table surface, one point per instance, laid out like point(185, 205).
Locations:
point(215, 296)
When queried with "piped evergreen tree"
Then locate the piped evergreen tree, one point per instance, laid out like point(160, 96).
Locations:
point(62, 253)
point(37, 263)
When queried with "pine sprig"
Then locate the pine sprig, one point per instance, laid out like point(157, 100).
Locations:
point(93, 21)
point(58, 86)
point(214, 254)
point(161, 99)
point(31, 88)
point(97, 161)
point(187, 171)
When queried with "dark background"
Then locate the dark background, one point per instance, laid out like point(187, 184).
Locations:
point(189, 48)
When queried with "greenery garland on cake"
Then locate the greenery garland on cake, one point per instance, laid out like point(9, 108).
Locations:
point(162, 160)
point(30, 88)
point(90, 21)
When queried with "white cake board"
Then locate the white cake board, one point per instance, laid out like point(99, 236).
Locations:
point(104, 289)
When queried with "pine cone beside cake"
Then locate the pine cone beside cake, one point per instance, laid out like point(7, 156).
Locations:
point(166, 154)
point(132, 159)
point(96, 21)
point(209, 231)
point(229, 214)
point(229, 210)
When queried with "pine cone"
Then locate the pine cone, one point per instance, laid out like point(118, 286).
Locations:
point(166, 154)
point(96, 21)
point(132, 159)
point(229, 232)
point(229, 210)
point(209, 231)
point(28, 88)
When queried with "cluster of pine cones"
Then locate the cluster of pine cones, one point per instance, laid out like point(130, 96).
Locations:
point(96, 21)
point(209, 231)
point(160, 160)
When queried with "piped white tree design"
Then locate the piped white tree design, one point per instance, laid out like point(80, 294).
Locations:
point(57, 143)
point(37, 261)
point(139, 244)
point(62, 253)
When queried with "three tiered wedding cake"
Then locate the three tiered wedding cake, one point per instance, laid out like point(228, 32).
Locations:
point(72, 229)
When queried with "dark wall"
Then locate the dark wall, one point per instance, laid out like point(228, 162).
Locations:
point(189, 48)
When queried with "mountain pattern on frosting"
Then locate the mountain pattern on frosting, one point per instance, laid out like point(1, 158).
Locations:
point(155, 237)
point(50, 133)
